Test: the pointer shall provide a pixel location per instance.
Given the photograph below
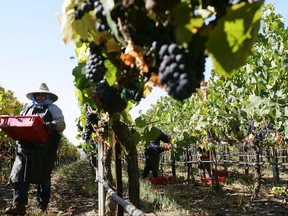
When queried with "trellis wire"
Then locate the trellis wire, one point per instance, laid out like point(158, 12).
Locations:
point(247, 156)
point(130, 208)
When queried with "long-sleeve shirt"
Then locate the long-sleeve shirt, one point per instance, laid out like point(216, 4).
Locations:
point(57, 117)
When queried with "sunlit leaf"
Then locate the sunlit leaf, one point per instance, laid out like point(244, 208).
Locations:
point(81, 52)
point(111, 73)
point(232, 39)
point(83, 26)
point(67, 32)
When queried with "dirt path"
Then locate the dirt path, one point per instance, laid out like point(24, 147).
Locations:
point(76, 205)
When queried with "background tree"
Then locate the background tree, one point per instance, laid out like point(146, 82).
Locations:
point(9, 105)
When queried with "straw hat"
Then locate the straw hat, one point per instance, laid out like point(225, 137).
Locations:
point(42, 88)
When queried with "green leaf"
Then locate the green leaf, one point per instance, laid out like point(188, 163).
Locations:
point(81, 52)
point(140, 122)
point(114, 117)
point(67, 32)
point(153, 133)
point(181, 14)
point(286, 111)
point(111, 72)
point(243, 114)
point(183, 35)
point(85, 25)
point(80, 80)
point(197, 22)
point(136, 137)
point(112, 46)
point(71, 28)
point(125, 115)
point(231, 41)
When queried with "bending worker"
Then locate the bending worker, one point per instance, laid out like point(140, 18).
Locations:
point(153, 152)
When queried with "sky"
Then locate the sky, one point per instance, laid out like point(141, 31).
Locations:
point(32, 51)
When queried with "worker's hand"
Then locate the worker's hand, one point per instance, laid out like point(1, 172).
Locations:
point(50, 126)
point(167, 147)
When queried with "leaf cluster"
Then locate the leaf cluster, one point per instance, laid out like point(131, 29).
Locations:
point(257, 91)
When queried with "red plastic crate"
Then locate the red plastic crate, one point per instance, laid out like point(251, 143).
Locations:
point(208, 180)
point(24, 128)
point(160, 180)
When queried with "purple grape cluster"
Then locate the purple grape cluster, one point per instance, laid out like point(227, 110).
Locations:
point(261, 132)
point(91, 119)
point(95, 68)
point(85, 7)
point(100, 15)
point(264, 131)
point(181, 70)
point(110, 97)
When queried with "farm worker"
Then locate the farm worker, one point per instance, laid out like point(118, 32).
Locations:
point(34, 161)
point(153, 152)
point(204, 167)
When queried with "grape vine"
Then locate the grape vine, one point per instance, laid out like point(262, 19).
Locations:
point(131, 44)
point(136, 36)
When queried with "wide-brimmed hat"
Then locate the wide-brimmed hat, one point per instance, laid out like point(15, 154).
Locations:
point(42, 88)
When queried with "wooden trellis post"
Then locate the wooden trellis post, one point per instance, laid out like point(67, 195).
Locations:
point(101, 190)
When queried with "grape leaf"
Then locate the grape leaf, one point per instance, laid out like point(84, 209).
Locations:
point(67, 32)
point(71, 28)
point(183, 35)
point(140, 122)
point(151, 134)
point(83, 26)
point(180, 13)
point(136, 137)
point(234, 35)
point(81, 52)
point(181, 16)
point(110, 73)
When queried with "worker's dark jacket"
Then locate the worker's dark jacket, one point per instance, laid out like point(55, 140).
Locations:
point(34, 161)
point(154, 149)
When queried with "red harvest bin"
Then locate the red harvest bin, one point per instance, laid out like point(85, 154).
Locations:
point(24, 128)
point(222, 175)
point(207, 180)
point(160, 180)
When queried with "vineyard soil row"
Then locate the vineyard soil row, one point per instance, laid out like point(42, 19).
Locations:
point(74, 194)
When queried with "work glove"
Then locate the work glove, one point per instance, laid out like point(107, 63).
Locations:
point(167, 147)
point(50, 126)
